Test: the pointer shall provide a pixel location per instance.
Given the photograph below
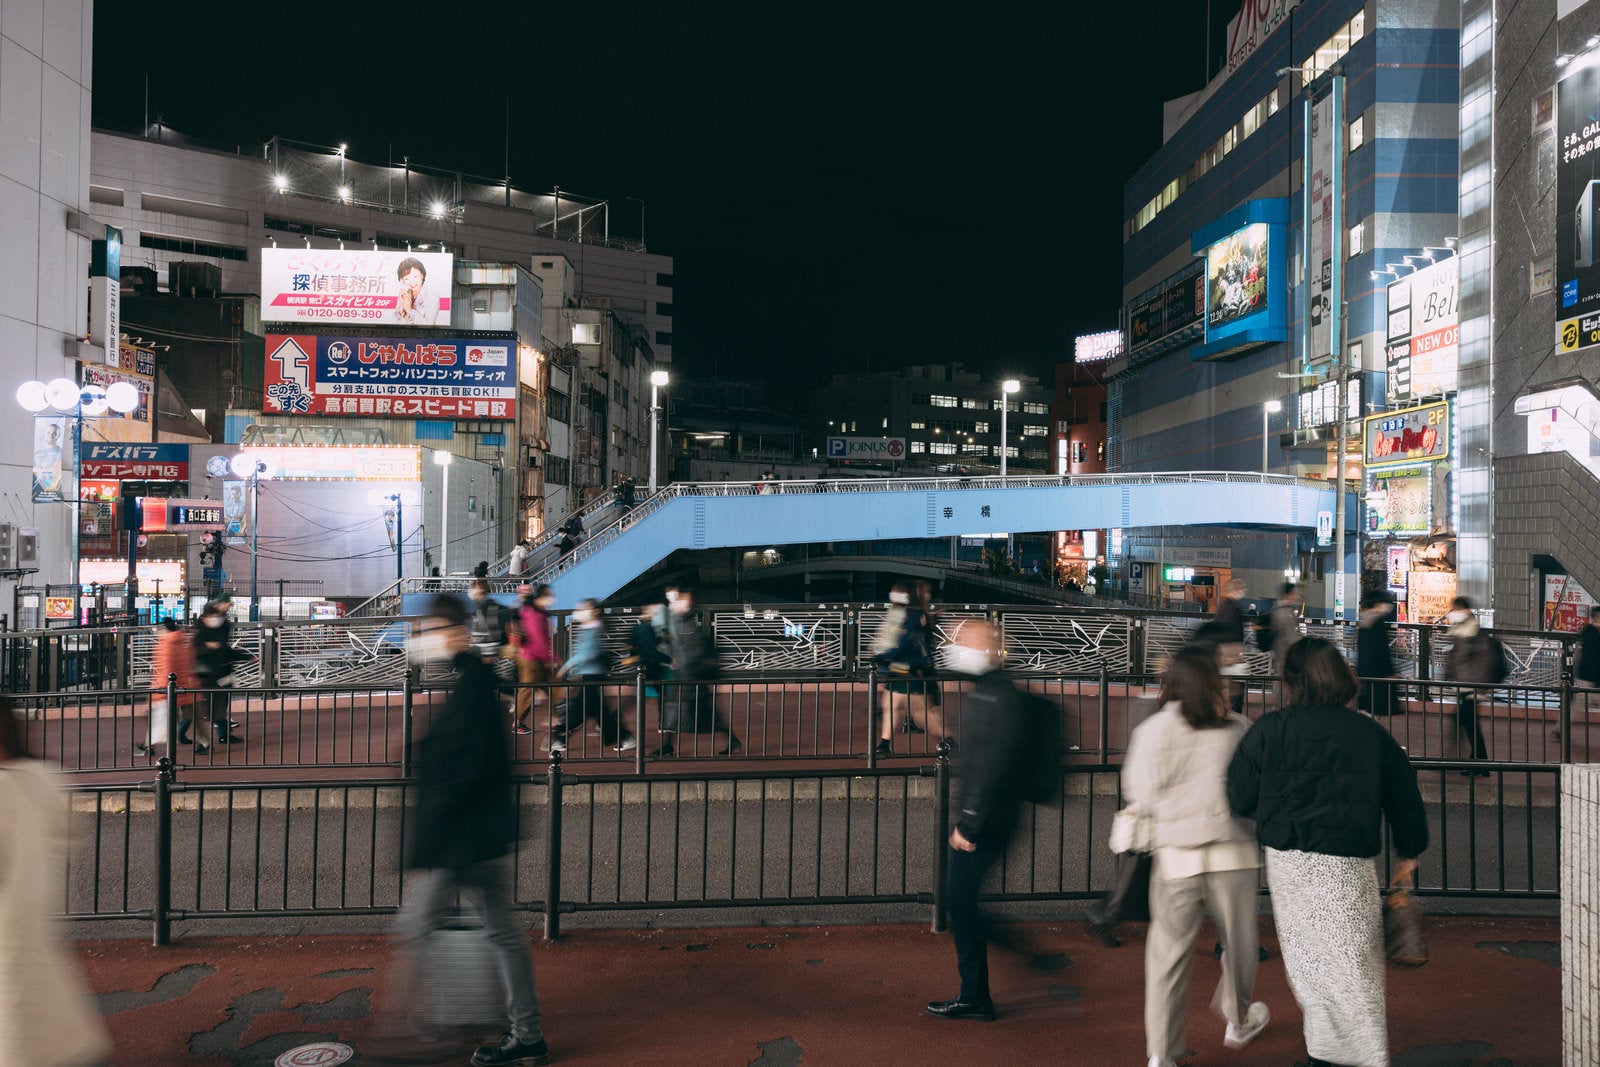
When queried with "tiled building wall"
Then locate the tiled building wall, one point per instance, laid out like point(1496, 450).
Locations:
point(1580, 915)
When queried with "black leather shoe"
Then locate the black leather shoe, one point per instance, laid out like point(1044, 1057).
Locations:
point(981, 1010)
point(512, 1051)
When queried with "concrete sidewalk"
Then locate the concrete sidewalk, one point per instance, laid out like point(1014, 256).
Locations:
point(1490, 997)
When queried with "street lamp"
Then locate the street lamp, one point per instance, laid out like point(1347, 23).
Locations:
point(658, 378)
point(399, 499)
point(441, 458)
point(1270, 408)
point(1007, 388)
point(80, 401)
point(244, 466)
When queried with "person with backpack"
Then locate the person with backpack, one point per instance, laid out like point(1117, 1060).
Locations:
point(1204, 858)
point(996, 772)
point(906, 663)
point(1474, 657)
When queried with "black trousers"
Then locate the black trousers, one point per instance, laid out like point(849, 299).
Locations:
point(967, 926)
point(220, 702)
point(1467, 720)
point(588, 703)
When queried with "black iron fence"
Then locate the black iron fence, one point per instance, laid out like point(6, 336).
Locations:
point(827, 720)
point(166, 851)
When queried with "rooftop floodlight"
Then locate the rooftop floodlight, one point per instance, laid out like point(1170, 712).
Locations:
point(280, 182)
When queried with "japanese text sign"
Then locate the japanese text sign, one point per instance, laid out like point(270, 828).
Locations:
point(395, 377)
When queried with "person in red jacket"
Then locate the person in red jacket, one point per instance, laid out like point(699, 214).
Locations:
point(174, 655)
point(536, 657)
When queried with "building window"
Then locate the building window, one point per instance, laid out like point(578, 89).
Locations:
point(980, 450)
point(1011, 452)
point(919, 446)
point(971, 402)
point(557, 471)
point(1011, 405)
point(942, 448)
point(980, 427)
point(311, 229)
point(1358, 239)
point(1035, 408)
point(663, 308)
point(942, 401)
point(193, 248)
point(1080, 452)
point(1358, 132)
point(919, 424)
point(558, 406)
point(1333, 49)
point(664, 337)
point(1035, 431)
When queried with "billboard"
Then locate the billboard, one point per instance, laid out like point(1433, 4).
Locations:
point(1178, 303)
point(366, 287)
point(1423, 332)
point(1254, 23)
point(879, 449)
point(135, 462)
point(1415, 435)
point(1566, 604)
point(1237, 276)
point(394, 377)
point(354, 463)
point(52, 444)
point(1097, 347)
point(1400, 501)
point(1320, 230)
point(1578, 209)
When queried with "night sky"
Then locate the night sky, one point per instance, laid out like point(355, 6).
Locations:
point(861, 186)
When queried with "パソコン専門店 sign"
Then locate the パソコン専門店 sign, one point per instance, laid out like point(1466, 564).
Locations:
point(394, 377)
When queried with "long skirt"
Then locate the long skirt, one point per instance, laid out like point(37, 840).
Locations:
point(1330, 927)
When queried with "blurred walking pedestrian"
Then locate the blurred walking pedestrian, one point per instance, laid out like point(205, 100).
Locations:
point(587, 665)
point(491, 631)
point(906, 666)
point(1319, 779)
point(1375, 654)
point(693, 706)
point(1476, 657)
point(1205, 859)
point(1286, 615)
point(465, 826)
point(992, 772)
point(215, 661)
point(536, 657)
point(1586, 672)
point(518, 562)
point(46, 1015)
point(174, 655)
point(646, 656)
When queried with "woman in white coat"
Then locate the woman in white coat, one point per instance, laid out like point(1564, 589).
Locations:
point(46, 1016)
point(1205, 860)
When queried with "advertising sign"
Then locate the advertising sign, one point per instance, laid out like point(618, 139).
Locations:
point(1397, 564)
point(367, 287)
point(52, 444)
point(1236, 278)
point(1097, 347)
point(235, 513)
point(1180, 302)
point(135, 462)
point(104, 377)
point(1411, 436)
point(136, 359)
point(1428, 595)
point(1566, 604)
point(1321, 229)
point(99, 492)
point(57, 608)
point(372, 463)
point(395, 377)
point(162, 514)
point(1400, 501)
point(881, 449)
point(1254, 24)
point(169, 572)
point(1423, 332)
point(105, 293)
point(1578, 209)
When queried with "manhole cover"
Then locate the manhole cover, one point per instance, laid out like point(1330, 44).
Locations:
point(318, 1054)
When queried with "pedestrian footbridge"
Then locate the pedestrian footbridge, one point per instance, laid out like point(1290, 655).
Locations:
point(623, 544)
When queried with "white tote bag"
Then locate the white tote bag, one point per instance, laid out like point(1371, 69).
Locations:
point(160, 720)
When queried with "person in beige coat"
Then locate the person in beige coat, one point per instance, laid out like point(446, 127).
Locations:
point(46, 1016)
point(1204, 860)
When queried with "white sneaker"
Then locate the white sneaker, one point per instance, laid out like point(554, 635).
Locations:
point(556, 745)
point(627, 744)
point(1255, 1021)
point(1162, 1061)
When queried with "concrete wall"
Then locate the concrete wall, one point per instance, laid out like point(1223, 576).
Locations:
point(1580, 914)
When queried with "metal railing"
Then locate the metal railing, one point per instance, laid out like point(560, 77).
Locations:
point(166, 851)
point(824, 720)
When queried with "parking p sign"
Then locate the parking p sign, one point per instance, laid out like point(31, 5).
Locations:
point(878, 449)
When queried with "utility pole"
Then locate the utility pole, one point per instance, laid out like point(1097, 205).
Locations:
point(1335, 339)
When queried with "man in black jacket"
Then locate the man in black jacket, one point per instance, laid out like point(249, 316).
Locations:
point(993, 755)
point(1586, 672)
point(466, 825)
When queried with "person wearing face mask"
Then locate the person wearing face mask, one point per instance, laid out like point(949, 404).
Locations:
point(465, 826)
point(1474, 656)
point(693, 706)
point(993, 762)
point(906, 664)
point(215, 660)
point(587, 664)
point(536, 658)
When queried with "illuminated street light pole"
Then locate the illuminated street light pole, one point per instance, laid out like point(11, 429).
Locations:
point(1270, 408)
point(87, 401)
point(442, 459)
point(658, 378)
point(1008, 388)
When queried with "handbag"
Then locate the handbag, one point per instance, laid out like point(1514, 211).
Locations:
point(1132, 830)
point(160, 720)
point(1405, 937)
point(1128, 899)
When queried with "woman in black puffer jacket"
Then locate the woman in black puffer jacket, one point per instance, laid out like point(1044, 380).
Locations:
point(1319, 779)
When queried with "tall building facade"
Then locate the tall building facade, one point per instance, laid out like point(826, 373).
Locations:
point(1261, 242)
